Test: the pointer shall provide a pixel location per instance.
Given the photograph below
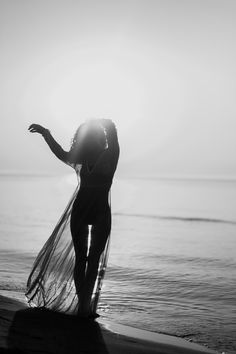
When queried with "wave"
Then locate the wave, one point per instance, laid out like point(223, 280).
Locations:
point(12, 287)
point(177, 218)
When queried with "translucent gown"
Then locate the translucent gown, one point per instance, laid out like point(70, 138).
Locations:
point(51, 280)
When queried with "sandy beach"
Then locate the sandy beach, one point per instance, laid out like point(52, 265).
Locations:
point(30, 330)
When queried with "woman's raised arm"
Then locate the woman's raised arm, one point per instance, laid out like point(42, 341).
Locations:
point(52, 143)
point(112, 140)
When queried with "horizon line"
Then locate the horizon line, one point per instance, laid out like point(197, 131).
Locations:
point(226, 178)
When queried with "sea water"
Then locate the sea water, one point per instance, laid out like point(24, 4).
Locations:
point(172, 266)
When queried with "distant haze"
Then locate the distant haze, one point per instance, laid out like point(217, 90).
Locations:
point(163, 70)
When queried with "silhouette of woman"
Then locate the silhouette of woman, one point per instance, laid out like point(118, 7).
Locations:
point(68, 272)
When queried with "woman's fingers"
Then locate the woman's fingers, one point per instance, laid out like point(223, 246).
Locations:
point(36, 128)
point(32, 129)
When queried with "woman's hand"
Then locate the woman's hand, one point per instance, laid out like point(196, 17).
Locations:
point(36, 128)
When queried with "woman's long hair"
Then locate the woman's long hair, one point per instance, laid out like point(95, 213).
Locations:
point(93, 135)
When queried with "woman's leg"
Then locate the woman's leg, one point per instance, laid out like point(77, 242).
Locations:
point(80, 240)
point(99, 234)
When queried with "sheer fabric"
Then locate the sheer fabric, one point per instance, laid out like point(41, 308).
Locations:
point(51, 280)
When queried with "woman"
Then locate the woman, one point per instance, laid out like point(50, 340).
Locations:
point(68, 271)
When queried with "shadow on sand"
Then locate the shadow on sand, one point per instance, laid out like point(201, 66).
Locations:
point(45, 331)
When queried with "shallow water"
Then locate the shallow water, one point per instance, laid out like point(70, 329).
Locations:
point(172, 260)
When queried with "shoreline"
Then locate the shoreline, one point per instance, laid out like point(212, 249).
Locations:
point(31, 329)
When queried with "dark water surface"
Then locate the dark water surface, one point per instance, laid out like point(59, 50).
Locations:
point(172, 266)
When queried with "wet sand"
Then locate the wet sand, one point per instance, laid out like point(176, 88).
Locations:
point(31, 330)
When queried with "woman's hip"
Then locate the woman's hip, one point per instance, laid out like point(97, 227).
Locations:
point(95, 214)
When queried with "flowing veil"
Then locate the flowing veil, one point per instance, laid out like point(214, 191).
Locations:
point(51, 282)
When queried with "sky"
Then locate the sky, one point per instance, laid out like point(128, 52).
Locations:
point(163, 70)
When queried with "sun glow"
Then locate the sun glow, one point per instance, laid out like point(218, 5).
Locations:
point(121, 84)
point(97, 91)
point(105, 89)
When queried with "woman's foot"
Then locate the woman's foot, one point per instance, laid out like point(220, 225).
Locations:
point(94, 315)
point(90, 315)
point(83, 314)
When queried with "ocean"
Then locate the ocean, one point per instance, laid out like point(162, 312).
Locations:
point(172, 264)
